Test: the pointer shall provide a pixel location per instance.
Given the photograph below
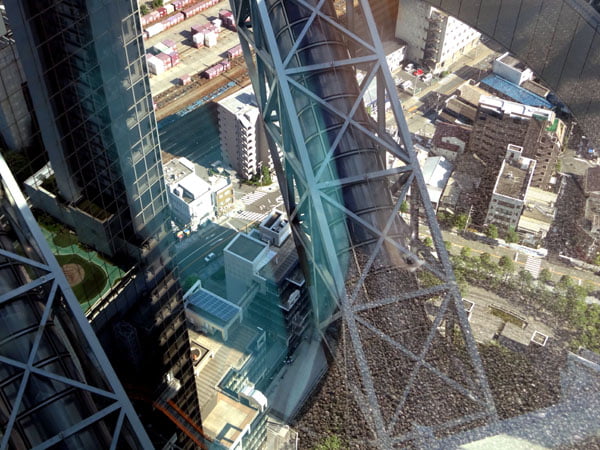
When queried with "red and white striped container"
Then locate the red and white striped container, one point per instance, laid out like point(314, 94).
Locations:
point(170, 43)
point(226, 64)
point(234, 52)
point(166, 59)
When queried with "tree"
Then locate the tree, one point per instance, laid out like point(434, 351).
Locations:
point(565, 282)
point(544, 276)
point(512, 236)
point(525, 278)
point(332, 442)
point(448, 246)
point(485, 259)
point(144, 10)
point(266, 176)
point(597, 259)
point(404, 207)
point(507, 265)
point(157, 3)
point(428, 242)
point(460, 221)
point(465, 253)
point(492, 231)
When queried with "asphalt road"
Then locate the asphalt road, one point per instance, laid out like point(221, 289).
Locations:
point(191, 251)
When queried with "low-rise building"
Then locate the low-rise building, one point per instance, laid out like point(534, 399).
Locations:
point(395, 54)
point(190, 196)
point(511, 69)
point(222, 194)
point(436, 172)
point(510, 189)
point(449, 140)
point(537, 216)
point(263, 276)
point(461, 106)
point(591, 220)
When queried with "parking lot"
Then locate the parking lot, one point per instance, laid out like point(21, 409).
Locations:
point(193, 60)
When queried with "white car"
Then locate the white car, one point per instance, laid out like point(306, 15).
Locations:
point(409, 67)
point(407, 85)
point(427, 77)
point(210, 257)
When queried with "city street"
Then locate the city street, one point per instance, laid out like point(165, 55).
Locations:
point(191, 251)
point(556, 269)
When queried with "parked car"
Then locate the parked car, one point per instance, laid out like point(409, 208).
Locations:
point(409, 67)
point(427, 77)
point(407, 85)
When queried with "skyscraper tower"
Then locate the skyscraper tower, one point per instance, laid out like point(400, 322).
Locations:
point(84, 61)
point(56, 385)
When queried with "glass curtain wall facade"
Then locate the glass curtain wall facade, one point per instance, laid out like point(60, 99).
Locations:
point(56, 385)
point(84, 62)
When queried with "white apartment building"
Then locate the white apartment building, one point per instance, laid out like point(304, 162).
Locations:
point(190, 196)
point(434, 39)
point(243, 142)
point(510, 190)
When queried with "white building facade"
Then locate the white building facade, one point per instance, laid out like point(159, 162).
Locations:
point(241, 133)
point(510, 190)
point(190, 197)
point(434, 39)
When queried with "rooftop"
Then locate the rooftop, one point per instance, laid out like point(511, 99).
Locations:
point(176, 169)
point(511, 61)
point(459, 107)
point(536, 88)
point(514, 178)
point(445, 133)
point(226, 422)
point(592, 179)
point(470, 94)
point(241, 103)
point(282, 263)
point(212, 307)
point(515, 92)
point(246, 247)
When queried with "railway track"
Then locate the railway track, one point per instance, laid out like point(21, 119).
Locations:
point(178, 97)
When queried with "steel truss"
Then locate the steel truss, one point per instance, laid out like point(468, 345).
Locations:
point(64, 390)
point(393, 303)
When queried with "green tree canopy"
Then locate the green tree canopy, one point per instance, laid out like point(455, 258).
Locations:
point(544, 275)
point(507, 264)
point(512, 236)
point(565, 282)
point(525, 277)
point(428, 242)
point(492, 231)
point(460, 221)
point(465, 252)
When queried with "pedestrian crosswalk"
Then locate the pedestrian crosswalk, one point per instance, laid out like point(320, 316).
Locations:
point(252, 197)
point(250, 216)
point(533, 265)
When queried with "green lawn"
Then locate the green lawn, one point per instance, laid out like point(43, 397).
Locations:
point(94, 279)
point(65, 239)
